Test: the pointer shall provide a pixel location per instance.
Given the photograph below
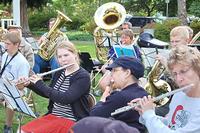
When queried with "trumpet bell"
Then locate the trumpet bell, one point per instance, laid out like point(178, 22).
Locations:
point(110, 15)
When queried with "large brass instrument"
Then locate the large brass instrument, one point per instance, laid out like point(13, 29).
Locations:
point(155, 86)
point(47, 48)
point(108, 17)
point(2, 32)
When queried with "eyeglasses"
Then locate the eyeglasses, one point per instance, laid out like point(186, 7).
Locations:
point(181, 73)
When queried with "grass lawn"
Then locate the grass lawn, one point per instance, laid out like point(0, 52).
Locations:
point(41, 103)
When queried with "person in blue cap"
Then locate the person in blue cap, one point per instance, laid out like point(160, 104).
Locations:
point(125, 72)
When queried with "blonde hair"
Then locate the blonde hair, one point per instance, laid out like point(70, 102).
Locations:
point(180, 31)
point(128, 32)
point(13, 37)
point(70, 47)
point(185, 55)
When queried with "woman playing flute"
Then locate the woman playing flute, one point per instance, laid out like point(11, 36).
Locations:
point(67, 94)
point(183, 116)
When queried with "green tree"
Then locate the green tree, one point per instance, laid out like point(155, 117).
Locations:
point(194, 8)
point(24, 4)
point(145, 7)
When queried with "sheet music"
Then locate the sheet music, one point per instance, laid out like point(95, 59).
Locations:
point(13, 98)
point(121, 50)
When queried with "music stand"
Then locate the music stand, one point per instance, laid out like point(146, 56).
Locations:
point(13, 98)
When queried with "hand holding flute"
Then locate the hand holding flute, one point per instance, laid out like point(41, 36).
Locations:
point(143, 104)
point(24, 81)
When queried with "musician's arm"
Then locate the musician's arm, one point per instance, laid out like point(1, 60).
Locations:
point(104, 109)
point(155, 125)
point(79, 86)
point(42, 38)
point(37, 88)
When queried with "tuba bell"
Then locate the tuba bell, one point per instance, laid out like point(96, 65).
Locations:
point(47, 48)
point(107, 17)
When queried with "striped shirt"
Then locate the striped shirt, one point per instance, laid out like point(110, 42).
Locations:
point(59, 109)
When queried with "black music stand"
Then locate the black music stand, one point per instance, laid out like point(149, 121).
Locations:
point(13, 98)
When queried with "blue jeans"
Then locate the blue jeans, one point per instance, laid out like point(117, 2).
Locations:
point(40, 63)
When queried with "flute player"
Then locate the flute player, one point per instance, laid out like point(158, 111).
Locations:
point(183, 117)
point(125, 72)
point(67, 94)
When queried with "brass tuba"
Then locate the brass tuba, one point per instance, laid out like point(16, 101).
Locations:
point(155, 86)
point(47, 48)
point(107, 17)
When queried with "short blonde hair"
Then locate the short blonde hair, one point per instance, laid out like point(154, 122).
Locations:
point(128, 32)
point(180, 31)
point(185, 55)
point(70, 47)
point(13, 37)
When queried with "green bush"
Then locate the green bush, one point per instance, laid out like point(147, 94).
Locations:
point(162, 31)
point(195, 25)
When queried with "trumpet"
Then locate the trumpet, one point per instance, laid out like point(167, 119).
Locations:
point(129, 107)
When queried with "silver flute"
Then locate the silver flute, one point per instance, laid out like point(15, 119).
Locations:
point(129, 107)
point(55, 70)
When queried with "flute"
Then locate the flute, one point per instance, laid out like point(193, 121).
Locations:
point(47, 73)
point(55, 70)
point(129, 107)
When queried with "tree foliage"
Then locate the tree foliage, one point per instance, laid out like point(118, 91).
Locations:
point(194, 8)
point(144, 7)
point(30, 3)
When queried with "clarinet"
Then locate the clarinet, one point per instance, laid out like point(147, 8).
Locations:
point(129, 107)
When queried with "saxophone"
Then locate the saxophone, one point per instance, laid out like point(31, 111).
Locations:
point(47, 48)
point(155, 86)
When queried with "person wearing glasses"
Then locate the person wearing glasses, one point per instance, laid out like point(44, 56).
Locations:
point(183, 117)
point(127, 39)
point(67, 93)
point(13, 66)
point(125, 72)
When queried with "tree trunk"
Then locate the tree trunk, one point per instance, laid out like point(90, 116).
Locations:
point(182, 13)
point(24, 17)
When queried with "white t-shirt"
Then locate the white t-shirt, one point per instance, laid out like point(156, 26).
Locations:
point(183, 117)
point(17, 67)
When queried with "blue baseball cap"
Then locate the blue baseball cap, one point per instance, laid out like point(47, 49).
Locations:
point(132, 63)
